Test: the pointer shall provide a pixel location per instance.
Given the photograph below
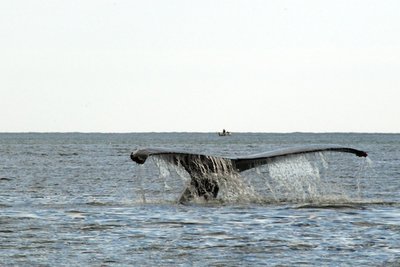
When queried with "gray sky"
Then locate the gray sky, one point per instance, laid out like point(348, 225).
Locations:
point(265, 66)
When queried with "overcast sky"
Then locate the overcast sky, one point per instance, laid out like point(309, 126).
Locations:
point(166, 65)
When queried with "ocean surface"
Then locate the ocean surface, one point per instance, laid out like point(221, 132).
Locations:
point(74, 199)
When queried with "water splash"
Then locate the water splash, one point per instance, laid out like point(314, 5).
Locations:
point(321, 178)
point(292, 179)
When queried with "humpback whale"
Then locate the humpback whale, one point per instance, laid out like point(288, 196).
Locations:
point(203, 168)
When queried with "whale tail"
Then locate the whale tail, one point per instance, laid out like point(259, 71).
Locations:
point(203, 168)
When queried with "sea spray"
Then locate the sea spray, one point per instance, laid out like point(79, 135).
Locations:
point(235, 189)
point(155, 182)
point(311, 178)
point(294, 179)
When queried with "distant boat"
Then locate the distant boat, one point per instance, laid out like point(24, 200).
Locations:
point(224, 133)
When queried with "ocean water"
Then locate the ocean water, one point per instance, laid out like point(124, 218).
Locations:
point(73, 199)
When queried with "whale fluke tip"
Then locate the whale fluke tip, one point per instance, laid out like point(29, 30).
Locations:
point(362, 154)
point(139, 157)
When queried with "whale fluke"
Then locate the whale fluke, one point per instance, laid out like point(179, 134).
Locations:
point(255, 160)
point(199, 166)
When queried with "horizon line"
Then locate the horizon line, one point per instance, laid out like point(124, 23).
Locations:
point(194, 132)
